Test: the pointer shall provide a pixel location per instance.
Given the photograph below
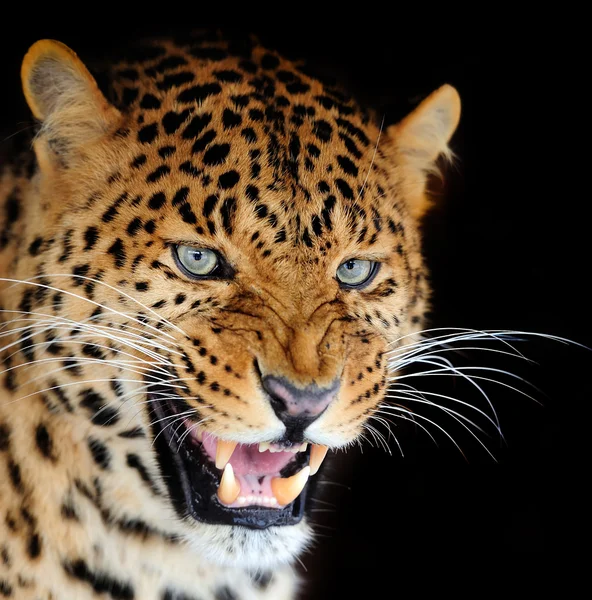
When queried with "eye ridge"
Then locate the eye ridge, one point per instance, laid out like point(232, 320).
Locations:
point(220, 270)
point(374, 268)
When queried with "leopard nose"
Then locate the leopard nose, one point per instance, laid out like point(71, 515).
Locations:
point(294, 405)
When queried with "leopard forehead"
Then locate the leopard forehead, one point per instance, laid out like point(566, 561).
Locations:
point(220, 143)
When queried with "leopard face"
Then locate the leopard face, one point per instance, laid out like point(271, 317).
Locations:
point(221, 255)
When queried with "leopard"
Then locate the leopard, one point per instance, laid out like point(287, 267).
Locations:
point(206, 254)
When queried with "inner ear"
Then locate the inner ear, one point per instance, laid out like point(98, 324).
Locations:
point(64, 97)
point(416, 142)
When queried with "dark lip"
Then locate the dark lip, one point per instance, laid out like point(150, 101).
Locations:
point(192, 480)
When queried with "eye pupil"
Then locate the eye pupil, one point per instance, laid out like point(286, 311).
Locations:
point(350, 264)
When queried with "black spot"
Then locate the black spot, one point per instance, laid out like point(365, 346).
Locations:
point(227, 211)
point(175, 80)
point(101, 413)
point(134, 462)
point(199, 93)
point(99, 581)
point(249, 134)
point(209, 205)
point(44, 441)
point(344, 188)
point(347, 165)
point(196, 126)
point(201, 143)
point(228, 76)
point(117, 249)
point(135, 432)
point(5, 588)
point(150, 102)
point(100, 453)
point(256, 114)
point(34, 546)
point(216, 154)
point(261, 210)
point(225, 593)
point(280, 236)
point(142, 286)
point(262, 579)
point(187, 214)
point(157, 201)
point(133, 226)
point(68, 511)
point(252, 193)
point(298, 87)
point(35, 246)
point(354, 131)
point(180, 298)
point(166, 151)
point(149, 226)
point(231, 119)
point(148, 133)
point(322, 130)
point(228, 180)
point(172, 120)
point(4, 436)
point(138, 161)
point(189, 168)
point(181, 196)
point(158, 173)
point(14, 471)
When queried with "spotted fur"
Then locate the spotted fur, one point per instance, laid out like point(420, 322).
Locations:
point(199, 143)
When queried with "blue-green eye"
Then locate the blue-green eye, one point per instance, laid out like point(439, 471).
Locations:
point(354, 273)
point(197, 261)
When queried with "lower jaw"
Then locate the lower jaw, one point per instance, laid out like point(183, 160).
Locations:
point(192, 483)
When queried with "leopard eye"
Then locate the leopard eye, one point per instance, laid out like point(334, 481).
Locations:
point(200, 262)
point(356, 273)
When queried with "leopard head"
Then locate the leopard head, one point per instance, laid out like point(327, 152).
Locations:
point(236, 247)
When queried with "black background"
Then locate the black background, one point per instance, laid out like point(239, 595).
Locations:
point(508, 248)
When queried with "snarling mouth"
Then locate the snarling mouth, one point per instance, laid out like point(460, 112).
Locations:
point(221, 482)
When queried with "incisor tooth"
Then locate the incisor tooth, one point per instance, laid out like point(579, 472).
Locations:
point(287, 489)
point(317, 455)
point(229, 488)
point(224, 451)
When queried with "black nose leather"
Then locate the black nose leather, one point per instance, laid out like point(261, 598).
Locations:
point(298, 407)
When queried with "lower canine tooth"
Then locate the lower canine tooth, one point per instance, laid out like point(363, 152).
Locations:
point(287, 489)
point(317, 455)
point(224, 451)
point(229, 488)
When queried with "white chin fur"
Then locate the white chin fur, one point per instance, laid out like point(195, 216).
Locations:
point(256, 549)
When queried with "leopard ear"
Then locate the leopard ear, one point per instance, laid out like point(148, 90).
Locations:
point(420, 138)
point(65, 98)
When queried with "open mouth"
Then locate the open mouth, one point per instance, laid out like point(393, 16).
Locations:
point(221, 482)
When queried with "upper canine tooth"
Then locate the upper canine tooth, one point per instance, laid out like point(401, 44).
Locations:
point(224, 451)
point(287, 489)
point(317, 455)
point(263, 446)
point(229, 488)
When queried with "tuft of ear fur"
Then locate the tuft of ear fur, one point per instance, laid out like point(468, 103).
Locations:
point(420, 138)
point(65, 98)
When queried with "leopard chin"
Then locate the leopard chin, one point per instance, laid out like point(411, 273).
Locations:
point(252, 549)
